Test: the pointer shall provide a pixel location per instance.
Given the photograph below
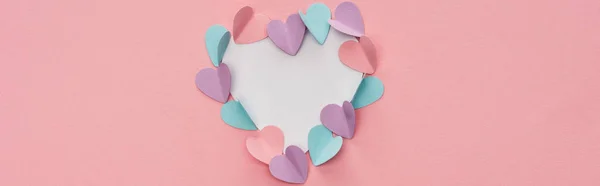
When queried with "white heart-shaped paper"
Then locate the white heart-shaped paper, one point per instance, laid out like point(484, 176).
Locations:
point(289, 91)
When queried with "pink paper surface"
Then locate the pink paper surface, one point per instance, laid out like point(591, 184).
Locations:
point(478, 92)
point(249, 26)
point(265, 144)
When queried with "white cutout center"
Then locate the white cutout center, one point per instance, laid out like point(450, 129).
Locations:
point(290, 91)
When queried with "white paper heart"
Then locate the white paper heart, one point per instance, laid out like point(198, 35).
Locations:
point(290, 91)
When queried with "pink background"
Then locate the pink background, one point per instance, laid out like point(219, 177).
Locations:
point(478, 92)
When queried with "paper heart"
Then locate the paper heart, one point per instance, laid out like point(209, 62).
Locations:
point(322, 146)
point(249, 27)
point(360, 56)
point(290, 91)
point(215, 83)
point(340, 120)
point(348, 20)
point(266, 145)
point(316, 20)
point(292, 167)
point(217, 38)
point(287, 36)
point(369, 91)
point(234, 114)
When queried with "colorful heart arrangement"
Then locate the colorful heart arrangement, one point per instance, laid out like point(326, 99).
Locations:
point(296, 90)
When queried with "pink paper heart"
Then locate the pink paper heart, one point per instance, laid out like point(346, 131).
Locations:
point(266, 145)
point(360, 56)
point(249, 27)
point(341, 120)
point(292, 167)
point(287, 36)
point(348, 20)
point(215, 83)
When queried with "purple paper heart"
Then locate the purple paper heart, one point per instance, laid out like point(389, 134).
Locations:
point(348, 20)
point(215, 83)
point(340, 120)
point(292, 167)
point(287, 36)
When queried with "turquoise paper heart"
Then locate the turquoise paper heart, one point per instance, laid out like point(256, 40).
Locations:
point(369, 91)
point(217, 39)
point(322, 146)
point(316, 20)
point(234, 114)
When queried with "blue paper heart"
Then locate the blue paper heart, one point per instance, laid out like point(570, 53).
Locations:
point(217, 39)
point(369, 91)
point(317, 20)
point(234, 114)
point(322, 146)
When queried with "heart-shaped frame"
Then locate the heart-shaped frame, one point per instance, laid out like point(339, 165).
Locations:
point(265, 75)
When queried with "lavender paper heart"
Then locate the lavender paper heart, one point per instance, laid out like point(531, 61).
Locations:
point(287, 36)
point(348, 20)
point(215, 83)
point(340, 120)
point(292, 167)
